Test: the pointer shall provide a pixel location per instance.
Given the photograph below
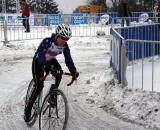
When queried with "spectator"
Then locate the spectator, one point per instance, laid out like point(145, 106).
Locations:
point(124, 12)
point(157, 11)
point(25, 15)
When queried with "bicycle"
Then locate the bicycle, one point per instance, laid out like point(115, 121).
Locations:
point(51, 107)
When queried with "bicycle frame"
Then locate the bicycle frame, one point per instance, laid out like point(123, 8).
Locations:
point(37, 105)
point(58, 72)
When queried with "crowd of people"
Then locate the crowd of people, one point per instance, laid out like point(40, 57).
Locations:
point(124, 12)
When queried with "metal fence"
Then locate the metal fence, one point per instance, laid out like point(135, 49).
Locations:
point(143, 66)
point(16, 32)
point(134, 21)
point(42, 25)
point(135, 55)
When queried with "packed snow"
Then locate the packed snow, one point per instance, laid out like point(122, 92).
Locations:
point(96, 101)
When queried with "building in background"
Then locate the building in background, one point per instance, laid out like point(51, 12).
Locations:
point(89, 9)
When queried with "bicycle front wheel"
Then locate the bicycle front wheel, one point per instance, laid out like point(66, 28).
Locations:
point(54, 117)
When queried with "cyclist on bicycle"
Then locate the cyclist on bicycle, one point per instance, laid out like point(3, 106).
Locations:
point(45, 56)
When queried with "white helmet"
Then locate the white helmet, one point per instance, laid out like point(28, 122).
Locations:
point(64, 30)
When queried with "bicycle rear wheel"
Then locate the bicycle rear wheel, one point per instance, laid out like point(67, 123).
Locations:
point(29, 91)
point(54, 117)
point(35, 109)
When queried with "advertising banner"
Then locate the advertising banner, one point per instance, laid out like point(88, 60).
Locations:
point(2, 18)
point(39, 19)
point(79, 18)
point(54, 19)
point(31, 19)
point(13, 19)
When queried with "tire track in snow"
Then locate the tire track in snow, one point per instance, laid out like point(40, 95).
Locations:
point(80, 117)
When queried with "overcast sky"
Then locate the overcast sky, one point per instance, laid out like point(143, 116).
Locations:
point(67, 6)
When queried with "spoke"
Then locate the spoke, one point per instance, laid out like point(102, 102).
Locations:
point(61, 104)
point(48, 120)
point(45, 115)
point(54, 122)
point(45, 123)
point(53, 118)
point(45, 109)
point(49, 124)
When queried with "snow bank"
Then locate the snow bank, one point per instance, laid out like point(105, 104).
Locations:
point(136, 106)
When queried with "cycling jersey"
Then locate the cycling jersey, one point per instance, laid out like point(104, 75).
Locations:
point(48, 50)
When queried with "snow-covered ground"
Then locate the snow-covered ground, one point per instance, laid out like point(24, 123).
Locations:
point(96, 102)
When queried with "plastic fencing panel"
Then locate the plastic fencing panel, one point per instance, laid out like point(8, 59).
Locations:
point(145, 32)
point(43, 26)
point(116, 46)
point(142, 44)
point(143, 73)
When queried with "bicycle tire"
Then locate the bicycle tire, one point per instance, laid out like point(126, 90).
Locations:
point(35, 105)
point(55, 110)
point(30, 88)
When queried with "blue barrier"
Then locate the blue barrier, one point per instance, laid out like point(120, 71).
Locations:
point(79, 18)
point(83, 18)
point(54, 19)
point(75, 18)
point(148, 32)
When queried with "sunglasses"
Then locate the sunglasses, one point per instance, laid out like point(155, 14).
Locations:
point(64, 38)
